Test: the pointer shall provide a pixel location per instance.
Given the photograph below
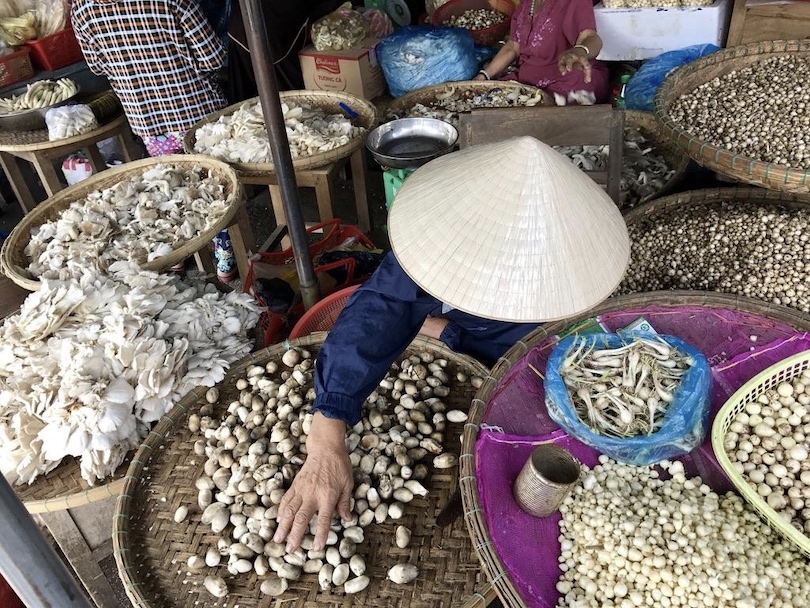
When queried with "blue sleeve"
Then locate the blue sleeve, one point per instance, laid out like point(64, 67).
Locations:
point(482, 339)
point(380, 319)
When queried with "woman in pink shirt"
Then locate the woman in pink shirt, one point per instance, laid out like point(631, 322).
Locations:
point(555, 44)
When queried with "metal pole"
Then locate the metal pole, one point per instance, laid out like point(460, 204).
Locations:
point(29, 563)
point(262, 59)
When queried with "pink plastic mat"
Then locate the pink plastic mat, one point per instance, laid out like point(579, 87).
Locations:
point(515, 421)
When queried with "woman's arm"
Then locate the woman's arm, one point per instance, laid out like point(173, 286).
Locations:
point(502, 60)
point(205, 47)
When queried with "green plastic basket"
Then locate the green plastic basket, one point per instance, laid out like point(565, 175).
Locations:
point(784, 371)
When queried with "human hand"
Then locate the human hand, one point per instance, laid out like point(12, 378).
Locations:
point(479, 77)
point(575, 58)
point(323, 483)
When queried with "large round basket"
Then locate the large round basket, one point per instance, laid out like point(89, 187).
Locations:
point(13, 261)
point(151, 549)
point(328, 101)
point(674, 157)
point(480, 411)
point(428, 96)
point(689, 77)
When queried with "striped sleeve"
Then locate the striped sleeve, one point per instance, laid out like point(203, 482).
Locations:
point(205, 46)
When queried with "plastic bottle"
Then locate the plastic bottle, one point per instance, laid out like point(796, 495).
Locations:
point(620, 102)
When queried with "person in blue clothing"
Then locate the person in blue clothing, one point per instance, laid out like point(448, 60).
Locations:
point(493, 239)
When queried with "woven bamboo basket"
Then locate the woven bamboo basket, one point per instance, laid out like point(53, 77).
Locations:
point(675, 158)
point(687, 78)
point(482, 541)
point(13, 261)
point(429, 95)
point(325, 100)
point(151, 549)
point(784, 371)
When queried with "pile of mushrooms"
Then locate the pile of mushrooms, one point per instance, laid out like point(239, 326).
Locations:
point(255, 451)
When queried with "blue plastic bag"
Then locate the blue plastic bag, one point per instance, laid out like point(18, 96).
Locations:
point(685, 421)
point(640, 91)
point(420, 56)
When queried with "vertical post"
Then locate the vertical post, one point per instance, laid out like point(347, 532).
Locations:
point(262, 60)
point(29, 563)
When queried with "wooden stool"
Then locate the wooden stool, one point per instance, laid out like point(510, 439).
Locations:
point(34, 147)
point(322, 179)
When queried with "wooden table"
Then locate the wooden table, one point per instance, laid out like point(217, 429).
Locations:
point(758, 20)
point(322, 180)
point(34, 147)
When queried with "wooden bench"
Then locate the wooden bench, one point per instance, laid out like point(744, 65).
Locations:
point(556, 126)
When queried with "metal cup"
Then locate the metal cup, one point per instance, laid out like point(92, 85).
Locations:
point(545, 480)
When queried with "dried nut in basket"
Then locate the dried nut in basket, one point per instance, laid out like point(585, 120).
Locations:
point(180, 514)
point(403, 536)
point(274, 586)
point(445, 461)
point(325, 576)
point(403, 573)
point(356, 585)
point(456, 416)
point(341, 574)
point(357, 565)
point(216, 586)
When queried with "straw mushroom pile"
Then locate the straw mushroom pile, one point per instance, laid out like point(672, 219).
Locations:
point(255, 451)
point(629, 538)
point(139, 219)
point(86, 366)
point(476, 19)
point(769, 441)
point(242, 136)
point(759, 112)
point(733, 247)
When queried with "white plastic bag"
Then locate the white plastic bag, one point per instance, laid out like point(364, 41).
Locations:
point(68, 121)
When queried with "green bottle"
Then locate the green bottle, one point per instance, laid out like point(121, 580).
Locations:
point(620, 101)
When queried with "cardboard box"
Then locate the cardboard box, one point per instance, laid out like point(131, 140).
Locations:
point(355, 71)
point(632, 34)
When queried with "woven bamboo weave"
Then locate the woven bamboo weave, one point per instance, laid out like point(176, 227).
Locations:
point(151, 549)
point(687, 78)
point(327, 101)
point(428, 96)
point(37, 141)
point(13, 261)
point(492, 565)
point(674, 157)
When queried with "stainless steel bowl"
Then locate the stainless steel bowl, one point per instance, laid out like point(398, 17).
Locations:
point(29, 120)
point(408, 143)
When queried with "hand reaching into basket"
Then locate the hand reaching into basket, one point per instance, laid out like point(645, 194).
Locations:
point(323, 485)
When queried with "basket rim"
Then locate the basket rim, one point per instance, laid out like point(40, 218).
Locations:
point(775, 175)
point(491, 563)
point(723, 417)
point(368, 118)
point(21, 235)
point(161, 434)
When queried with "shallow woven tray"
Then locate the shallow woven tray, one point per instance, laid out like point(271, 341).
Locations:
point(482, 541)
point(13, 261)
point(675, 158)
point(151, 549)
point(327, 101)
point(784, 371)
point(687, 78)
point(429, 95)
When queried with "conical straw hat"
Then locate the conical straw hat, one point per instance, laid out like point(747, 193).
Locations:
point(509, 231)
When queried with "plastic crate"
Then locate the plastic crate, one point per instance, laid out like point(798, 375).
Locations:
point(393, 180)
point(323, 315)
point(15, 67)
point(55, 51)
point(784, 371)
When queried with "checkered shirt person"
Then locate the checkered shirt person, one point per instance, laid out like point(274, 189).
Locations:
point(160, 57)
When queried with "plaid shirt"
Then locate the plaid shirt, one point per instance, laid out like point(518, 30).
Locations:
point(160, 57)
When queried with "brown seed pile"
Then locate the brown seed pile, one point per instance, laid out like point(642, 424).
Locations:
point(757, 251)
point(760, 112)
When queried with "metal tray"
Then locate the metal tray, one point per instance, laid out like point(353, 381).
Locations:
point(408, 143)
point(30, 120)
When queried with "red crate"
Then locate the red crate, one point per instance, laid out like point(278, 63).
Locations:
point(56, 51)
point(15, 67)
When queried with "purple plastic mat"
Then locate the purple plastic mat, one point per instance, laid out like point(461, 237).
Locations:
point(516, 420)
